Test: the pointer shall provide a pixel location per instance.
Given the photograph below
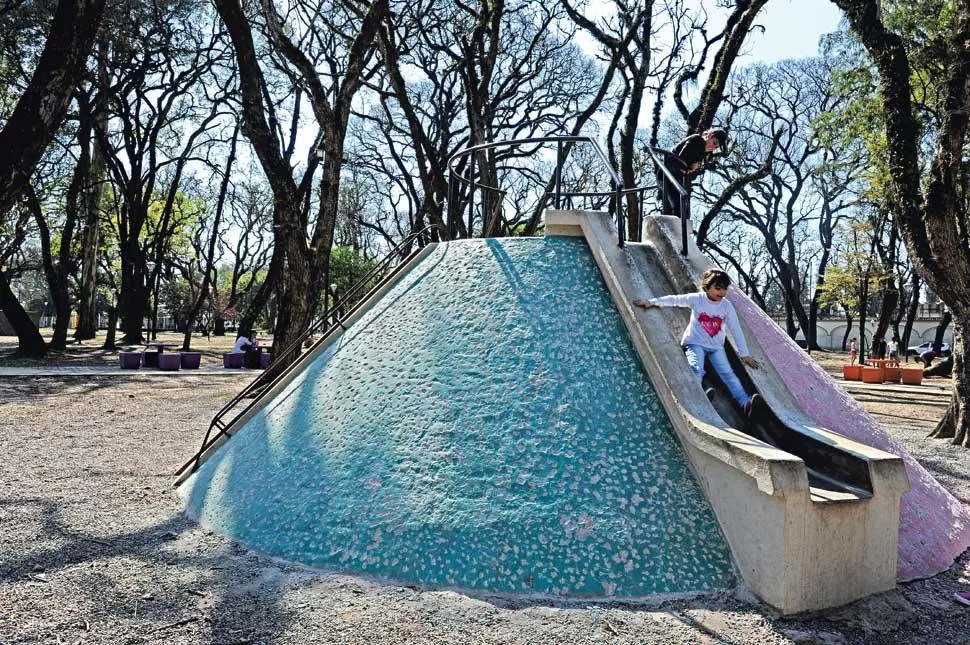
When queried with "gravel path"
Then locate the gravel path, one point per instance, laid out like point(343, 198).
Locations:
point(93, 550)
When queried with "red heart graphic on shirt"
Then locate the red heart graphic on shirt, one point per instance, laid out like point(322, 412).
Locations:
point(711, 324)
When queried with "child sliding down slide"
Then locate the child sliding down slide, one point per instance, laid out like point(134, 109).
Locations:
point(704, 337)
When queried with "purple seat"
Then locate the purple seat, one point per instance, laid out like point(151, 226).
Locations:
point(264, 360)
point(191, 360)
point(233, 361)
point(169, 362)
point(130, 360)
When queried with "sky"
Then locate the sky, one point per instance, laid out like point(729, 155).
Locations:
point(792, 29)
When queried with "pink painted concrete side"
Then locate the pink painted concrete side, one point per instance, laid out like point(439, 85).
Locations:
point(934, 527)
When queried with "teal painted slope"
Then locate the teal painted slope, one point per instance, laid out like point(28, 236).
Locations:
point(487, 425)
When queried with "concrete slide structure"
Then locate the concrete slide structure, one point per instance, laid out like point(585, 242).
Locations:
point(934, 526)
point(812, 516)
point(500, 419)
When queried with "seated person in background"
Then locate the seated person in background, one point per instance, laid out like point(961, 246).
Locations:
point(249, 346)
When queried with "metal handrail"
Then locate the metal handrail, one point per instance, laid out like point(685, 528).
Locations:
point(260, 385)
point(670, 180)
point(616, 194)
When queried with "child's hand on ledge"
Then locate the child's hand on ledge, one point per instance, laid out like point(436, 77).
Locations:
point(750, 362)
point(646, 304)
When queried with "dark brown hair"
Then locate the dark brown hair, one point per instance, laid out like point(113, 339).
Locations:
point(715, 278)
point(719, 135)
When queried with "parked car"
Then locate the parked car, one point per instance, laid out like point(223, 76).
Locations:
point(917, 350)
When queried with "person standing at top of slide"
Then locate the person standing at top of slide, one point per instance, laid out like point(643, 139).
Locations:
point(686, 161)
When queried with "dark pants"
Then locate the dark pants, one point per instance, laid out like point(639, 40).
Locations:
point(671, 200)
point(251, 360)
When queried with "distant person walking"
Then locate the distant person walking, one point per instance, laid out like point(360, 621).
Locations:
point(853, 351)
point(710, 314)
point(685, 162)
point(893, 347)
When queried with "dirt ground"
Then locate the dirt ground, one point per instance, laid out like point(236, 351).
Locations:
point(94, 550)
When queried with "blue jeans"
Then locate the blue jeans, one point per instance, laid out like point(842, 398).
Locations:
point(695, 358)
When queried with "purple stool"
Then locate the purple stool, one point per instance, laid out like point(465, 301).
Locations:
point(264, 360)
point(233, 361)
point(191, 360)
point(130, 360)
point(169, 362)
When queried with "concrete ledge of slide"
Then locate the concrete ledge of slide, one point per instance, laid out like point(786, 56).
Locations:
point(309, 357)
point(795, 554)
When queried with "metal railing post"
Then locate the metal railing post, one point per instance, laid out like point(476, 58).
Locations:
point(684, 216)
point(451, 224)
point(471, 195)
point(620, 220)
point(558, 173)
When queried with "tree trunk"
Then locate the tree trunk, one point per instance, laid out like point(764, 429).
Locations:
point(248, 320)
point(955, 424)
point(87, 324)
point(30, 342)
point(109, 337)
point(910, 316)
point(848, 331)
point(791, 327)
point(134, 293)
point(213, 238)
point(41, 108)
point(890, 298)
point(56, 270)
point(811, 334)
point(940, 331)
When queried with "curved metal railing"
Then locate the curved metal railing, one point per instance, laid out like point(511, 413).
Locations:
point(613, 199)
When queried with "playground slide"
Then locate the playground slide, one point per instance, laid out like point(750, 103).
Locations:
point(836, 473)
point(812, 518)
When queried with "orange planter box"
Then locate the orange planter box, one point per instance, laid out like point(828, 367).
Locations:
point(891, 374)
point(872, 375)
point(852, 372)
point(911, 375)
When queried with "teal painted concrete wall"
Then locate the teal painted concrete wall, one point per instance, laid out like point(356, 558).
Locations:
point(487, 425)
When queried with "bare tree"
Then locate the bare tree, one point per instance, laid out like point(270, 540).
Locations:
point(329, 53)
point(810, 186)
point(933, 221)
point(33, 124)
point(163, 103)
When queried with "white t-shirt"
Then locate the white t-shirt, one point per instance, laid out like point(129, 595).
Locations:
point(708, 320)
point(242, 344)
point(892, 347)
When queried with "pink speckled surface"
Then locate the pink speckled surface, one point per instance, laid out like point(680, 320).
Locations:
point(934, 527)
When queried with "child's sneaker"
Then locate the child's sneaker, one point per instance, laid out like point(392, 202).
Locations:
point(750, 403)
point(962, 597)
point(711, 393)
